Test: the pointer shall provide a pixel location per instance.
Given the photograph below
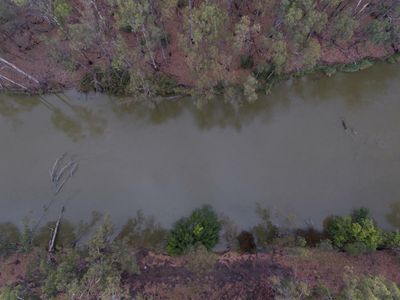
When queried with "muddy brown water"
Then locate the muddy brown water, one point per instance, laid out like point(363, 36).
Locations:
point(289, 152)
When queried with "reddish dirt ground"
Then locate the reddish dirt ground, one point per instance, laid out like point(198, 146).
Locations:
point(236, 276)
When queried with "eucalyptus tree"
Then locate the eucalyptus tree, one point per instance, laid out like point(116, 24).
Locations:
point(204, 29)
point(138, 17)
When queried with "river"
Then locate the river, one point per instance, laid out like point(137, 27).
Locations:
point(288, 151)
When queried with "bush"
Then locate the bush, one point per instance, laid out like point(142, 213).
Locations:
point(368, 288)
point(143, 231)
point(66, 236)
point(391, 240)
point(201, 227)
point(357, 229)
point(357, 66)
point(111, 80)
point(9, 238)
point(246, 242)
point(286, 288)
point(246, 62)
point(7, 293)
point(356, 248)
point(325, 245)
point(265, 232)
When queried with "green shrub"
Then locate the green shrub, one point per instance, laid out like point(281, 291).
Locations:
point(7, 293)
point(142, 231)
point(65, 236)
point(360, 214)
point(357, 66)
point(26, 237)
point(368, 288)
point(111, 80)
point(201, 227)
point(391, 240)
point(325, 245)
point(265, 232)
point(246, 62)
point(379, 31)
point(393, 59)
point(356, 248)
point(286, 288)
point(9, 238)
point(164, 85)
point(346, 230)
point(329, 70)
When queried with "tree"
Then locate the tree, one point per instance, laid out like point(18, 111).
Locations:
point(302, 19)
point(244, 31)
point(379, 31)
point(204, 25)
point(55, 11)
point(312, 54)
point(137, 16)
point(279, 55)
point(250, 87)
point(343, 26)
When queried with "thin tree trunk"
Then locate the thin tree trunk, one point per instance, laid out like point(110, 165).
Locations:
point(18, 70)
point(148, 48)
point(52, 242)
point(13, 82)
point(190, 20)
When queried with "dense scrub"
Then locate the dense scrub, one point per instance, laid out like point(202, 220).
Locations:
point(151, 48)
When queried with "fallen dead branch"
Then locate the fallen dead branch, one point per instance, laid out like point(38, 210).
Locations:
point(53, 237)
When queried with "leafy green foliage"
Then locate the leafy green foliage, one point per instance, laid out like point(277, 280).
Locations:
point(93, 272)
point(344, 26)
point(368, 288)
point(201, 227)
point(65, 237)
point(9, 238)
point(265, 232)
point(391, 240)
point(142, 231)
point(379, 31)
point(250, 89)
point(207, 21)
point(302, 18)
point(393, 217)
point(26, 237)
point(111, 81)
point(350, 232)
point(286, 288)
point(7, 293)
point(312, 54)
point(279, 55)
point(246, 62)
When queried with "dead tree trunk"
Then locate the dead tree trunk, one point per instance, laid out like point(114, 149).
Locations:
point(52, 242)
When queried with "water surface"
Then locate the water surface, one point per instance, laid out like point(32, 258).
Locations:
point(289, 151)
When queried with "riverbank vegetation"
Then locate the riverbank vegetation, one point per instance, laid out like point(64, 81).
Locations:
point(351, 258)
point(164, 48)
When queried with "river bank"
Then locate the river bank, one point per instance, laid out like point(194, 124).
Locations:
point(249, 54)
point(322, 275)
point(266, 262)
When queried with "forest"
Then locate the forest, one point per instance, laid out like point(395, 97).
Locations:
point(164, 48)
